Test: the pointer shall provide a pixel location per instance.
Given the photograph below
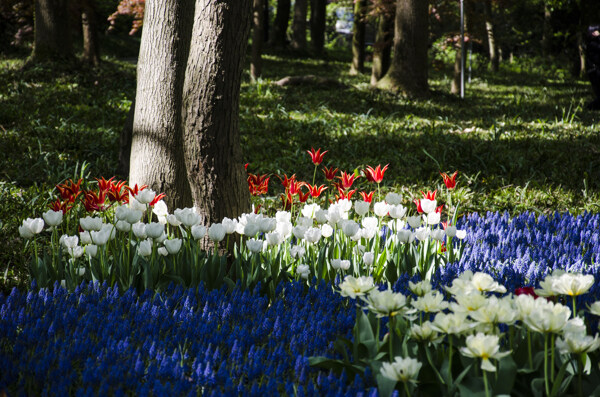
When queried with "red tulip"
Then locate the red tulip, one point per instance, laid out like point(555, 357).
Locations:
point(285, 181)
point(429, 195)
point(526, 291)
point(59, 205)
point(157, 198)
point(439, 209)
point(368, 197)
point(418, 204)
point(343, 195)
point(347, 180)
point(375, 174)
point(330, 173)
point(133, 191)
point(316, 156)
point(94, 201)
point(449, 180)
point(315, 190)
point(302, 197)
point(70, 190)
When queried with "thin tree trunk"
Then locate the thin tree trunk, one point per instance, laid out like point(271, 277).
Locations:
point(317, 25)
point(91, 47)
point(547, 31)
point(299, 25)
point(156, 150)
point(455, 85)
point(257, 39)
point(358, 38)
point(52, 37)
point(491, 35)
point(282, 18)
point(408, 71)
point(210, 108)
point(382, 51)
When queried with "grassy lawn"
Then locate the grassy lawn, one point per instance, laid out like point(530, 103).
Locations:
point(521, 139)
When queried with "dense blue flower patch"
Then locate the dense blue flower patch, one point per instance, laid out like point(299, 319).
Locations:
point(186, 342)
point(181, 342)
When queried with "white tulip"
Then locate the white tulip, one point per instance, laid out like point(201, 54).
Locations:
point(85, 238)
point(154, 229)
point(198, 231)
point(216, 232)
point(414, 221)
point(361, 207)
point(91, 250)
point(229, 225)
point(428, 206)
point(173, 246)
point(393, 198)
point(139, 230)
point(145, 248)
point(254, 245)
point(297, 251)
point(312, 235)
point(381, 208)
point(326, 230)
point(145, 196)
point(160, 208)
point(405, 370)
point(53, 218)
point(368, 258)
point(88, 223)
point(397, 211)
point(162, 251)
point(173, 221)
point(123, 226)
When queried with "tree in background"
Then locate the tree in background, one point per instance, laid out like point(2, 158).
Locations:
point(384, 11)
point(358, 37)
point(299, 25)
point(89, 27)
point(157, 157)
point(317, 25)
point(190, 68)
point(258, 21)
point(408, 71)
point(278, 37)
point(52, 37)
point(210, 107)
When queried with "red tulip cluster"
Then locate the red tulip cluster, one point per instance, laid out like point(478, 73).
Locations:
point(109, 192)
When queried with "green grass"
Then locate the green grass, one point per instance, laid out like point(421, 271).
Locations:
point(520, 140)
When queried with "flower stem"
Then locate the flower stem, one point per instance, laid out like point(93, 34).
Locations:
point(406, 389)
point(390, 339)
point(546, 384)
point(574, 306)
point(552, 358)
point(314, 175)
point(529, 349)
point(450, 355)
point(485, 383)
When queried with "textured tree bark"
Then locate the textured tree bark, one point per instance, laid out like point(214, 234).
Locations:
point(258, 15)
point(382, 51)
point(317, 25)
point(299, 25)
point(91, 47)
point(491, 35)
point(408, 71)
point(358, 38)
point(282, 17)
point(157, 141)
point(210, 108)
point(52, 37)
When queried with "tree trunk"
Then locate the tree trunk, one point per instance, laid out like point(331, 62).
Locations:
point(299, 25)
point(491, 35)
point(455, 85)
point(317, 25)
point(257, 39)
point(210, 108)
point(382, 51)
point(52, 37)
point(408, 71)
point(91, 48)
point(547, 31)
point(157, 157)
point(282, 18)
point(358, 38)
